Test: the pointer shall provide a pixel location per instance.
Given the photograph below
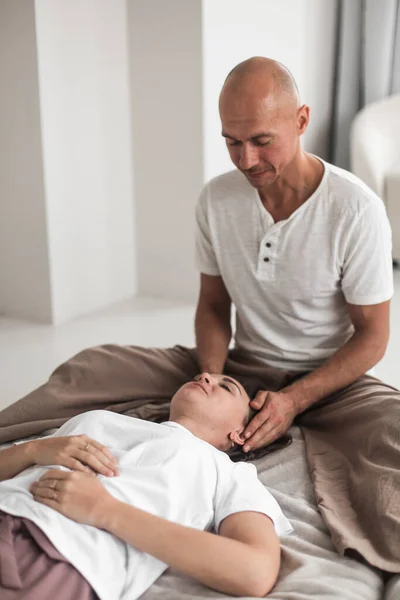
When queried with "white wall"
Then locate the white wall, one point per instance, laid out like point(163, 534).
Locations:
point(77, 230)
point(298, 33)
point(166, 82)
point(86, 130)
point(180, 54)
point(24, 260)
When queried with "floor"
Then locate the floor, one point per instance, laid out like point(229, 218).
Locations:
point(30, 351)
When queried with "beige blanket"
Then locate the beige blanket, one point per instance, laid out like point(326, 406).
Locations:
point(139, 382)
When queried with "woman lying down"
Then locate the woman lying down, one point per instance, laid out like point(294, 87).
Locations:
point(129, 497)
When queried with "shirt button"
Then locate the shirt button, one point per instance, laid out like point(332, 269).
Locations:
point(268, 245)
point(266, 259)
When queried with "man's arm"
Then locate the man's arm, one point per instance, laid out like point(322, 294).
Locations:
point(243, 560)
point(213, 324)
point(359, 354)
point(364, 350)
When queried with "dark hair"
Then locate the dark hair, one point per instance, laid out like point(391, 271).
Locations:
point(252, 385)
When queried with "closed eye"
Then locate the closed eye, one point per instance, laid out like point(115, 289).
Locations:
point(223, 385)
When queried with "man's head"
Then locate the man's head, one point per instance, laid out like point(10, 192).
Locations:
point(215, 408)
point(262, 119)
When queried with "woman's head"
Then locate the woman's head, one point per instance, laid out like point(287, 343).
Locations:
point(216, 408)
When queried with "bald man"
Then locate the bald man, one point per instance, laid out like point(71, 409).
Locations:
point(302, 250)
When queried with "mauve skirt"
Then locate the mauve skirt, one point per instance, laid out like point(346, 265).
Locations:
point(32, 569)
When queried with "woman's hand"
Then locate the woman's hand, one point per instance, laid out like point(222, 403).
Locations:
point(78, 496)
point(77, 452)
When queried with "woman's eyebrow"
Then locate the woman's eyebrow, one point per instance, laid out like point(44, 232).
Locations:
point(232, 381)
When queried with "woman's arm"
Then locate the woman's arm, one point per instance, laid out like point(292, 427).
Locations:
point(244, 563)
point(243, 560)
point(77, 452)
point(15, 459)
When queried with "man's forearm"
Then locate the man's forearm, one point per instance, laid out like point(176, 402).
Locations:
point(362, 352)
point(221, 563)
point(213, 335)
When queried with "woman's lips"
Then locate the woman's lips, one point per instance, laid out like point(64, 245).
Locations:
point(198, 384)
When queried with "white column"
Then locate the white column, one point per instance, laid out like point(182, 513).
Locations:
point(66, 187)
point(166, 82)
point(86, 130)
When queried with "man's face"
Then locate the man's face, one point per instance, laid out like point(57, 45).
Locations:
point(262, 137)
point(218, 401)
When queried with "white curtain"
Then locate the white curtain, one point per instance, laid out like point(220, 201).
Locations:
point(367, 64)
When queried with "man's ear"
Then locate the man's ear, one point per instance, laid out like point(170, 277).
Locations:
point(303, 118)
point(236, 437)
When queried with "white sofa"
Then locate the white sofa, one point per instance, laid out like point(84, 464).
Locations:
point(375, 156)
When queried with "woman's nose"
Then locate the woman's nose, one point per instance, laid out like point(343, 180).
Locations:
point(206, 377)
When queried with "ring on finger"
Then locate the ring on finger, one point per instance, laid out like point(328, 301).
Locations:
point(87, 447)
point(53, 484)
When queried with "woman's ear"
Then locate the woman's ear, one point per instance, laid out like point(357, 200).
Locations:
point(236, 437)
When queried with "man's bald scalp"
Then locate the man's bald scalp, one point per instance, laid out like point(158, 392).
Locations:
point(267, 70)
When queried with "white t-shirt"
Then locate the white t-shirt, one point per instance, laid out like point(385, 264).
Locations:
point(290, 280)
point(164, 470)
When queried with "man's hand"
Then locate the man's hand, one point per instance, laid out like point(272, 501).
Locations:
point(79, 496)
point(276, 413)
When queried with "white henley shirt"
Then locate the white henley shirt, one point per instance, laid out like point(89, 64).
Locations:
point(290, 281)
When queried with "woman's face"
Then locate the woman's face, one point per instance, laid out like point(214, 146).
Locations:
point(218, 401)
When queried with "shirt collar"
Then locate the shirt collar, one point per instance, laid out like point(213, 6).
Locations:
point(175, 425)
